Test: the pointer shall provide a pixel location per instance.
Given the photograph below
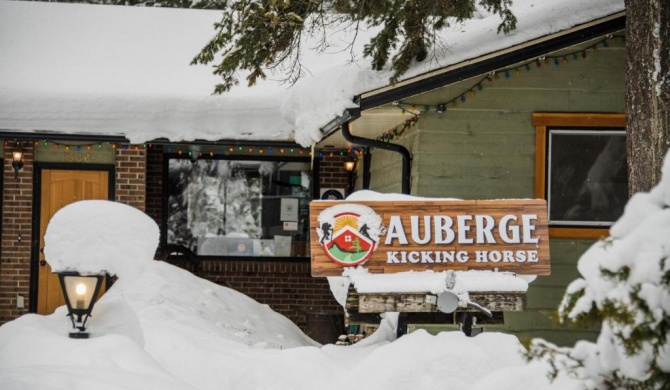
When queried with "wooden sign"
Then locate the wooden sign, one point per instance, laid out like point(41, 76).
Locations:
point(396, 236)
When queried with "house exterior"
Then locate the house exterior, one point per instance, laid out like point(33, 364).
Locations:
point(492, 141)
point(232, 203)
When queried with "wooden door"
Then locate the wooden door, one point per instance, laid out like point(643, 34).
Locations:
point(58, 189)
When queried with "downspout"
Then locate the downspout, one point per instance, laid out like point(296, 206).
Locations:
point(406, 156)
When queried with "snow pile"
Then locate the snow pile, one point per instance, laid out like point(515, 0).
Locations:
point(625, 278)
point(81, 68)
point(96, 236)
point(170, 330)
point(164, 328)
point(459, 282)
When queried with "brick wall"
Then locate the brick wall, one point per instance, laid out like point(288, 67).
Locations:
point(331, 171)
point(154, 183)
point(17, 207)
point(130, 185)
point(17, 204)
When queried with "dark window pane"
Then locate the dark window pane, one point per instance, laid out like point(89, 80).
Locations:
point(587, 183)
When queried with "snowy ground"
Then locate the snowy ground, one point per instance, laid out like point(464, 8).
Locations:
point(167, 329)
point(160, 327)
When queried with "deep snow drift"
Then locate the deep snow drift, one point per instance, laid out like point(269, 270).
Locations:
point(163, 328)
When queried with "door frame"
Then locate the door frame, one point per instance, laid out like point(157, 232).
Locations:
point(37, 195)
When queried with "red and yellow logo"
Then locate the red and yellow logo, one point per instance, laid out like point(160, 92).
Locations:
point(349, 235)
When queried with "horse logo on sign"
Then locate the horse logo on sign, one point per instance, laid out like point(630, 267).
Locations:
point(349, 233)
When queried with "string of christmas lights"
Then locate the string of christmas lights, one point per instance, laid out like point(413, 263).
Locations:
point(87, 147)
point(349, 152)
point(238, 150)
point(557, 60)
point(178, 149)
point(395, 134)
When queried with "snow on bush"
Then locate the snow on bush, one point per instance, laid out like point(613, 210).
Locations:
point(95, 236)
point(626, 284)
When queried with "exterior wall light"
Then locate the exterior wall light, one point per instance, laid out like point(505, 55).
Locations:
point(350, 167)
point(17, 159)
point(80, 293)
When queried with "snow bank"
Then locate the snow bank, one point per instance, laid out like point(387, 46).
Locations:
point(459, 282)
point(198, 335)
point(161, 327)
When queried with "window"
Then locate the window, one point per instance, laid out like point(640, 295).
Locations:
point(238, 207)
point(581, 170)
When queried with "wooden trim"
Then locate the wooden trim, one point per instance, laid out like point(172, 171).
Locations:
point(542, 121)
point(578, 120)
point(595, 233)
point(540, 162)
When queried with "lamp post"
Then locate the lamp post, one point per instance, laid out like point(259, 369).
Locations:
point(80, 292)
point(350, 167)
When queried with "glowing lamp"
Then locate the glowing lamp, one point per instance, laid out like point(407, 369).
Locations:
point(80, 292)
point(17, 159)
point(350, 167)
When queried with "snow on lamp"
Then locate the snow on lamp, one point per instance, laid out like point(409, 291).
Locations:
point(80, 292)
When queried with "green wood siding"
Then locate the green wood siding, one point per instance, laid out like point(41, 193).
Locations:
point(485, 148)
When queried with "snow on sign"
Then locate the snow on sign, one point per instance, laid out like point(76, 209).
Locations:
point(439, 235)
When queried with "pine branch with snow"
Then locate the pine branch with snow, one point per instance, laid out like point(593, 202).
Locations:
point(257, 37)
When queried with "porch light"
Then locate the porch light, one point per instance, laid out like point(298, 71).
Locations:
point(350, 164)
point(350, 167)
point(80, 292)
point(17, 159)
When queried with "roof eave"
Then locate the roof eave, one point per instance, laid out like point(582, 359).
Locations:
point(493, 61)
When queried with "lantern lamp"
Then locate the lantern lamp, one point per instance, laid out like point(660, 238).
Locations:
point(350, 167)
point(80, 292)
point(17, 159)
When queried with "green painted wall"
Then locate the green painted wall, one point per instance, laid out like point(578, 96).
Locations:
point(385, 166)
point(484, 148)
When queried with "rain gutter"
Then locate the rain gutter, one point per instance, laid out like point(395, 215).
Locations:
point(404, 152)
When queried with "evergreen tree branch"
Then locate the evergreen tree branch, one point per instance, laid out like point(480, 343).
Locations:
point(257, 36)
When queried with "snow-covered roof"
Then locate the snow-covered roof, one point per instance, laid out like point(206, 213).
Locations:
point(116, 70)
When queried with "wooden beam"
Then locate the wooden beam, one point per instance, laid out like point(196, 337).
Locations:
point(579, 119)
point(423, 302)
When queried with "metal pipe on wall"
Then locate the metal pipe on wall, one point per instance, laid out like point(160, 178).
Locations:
point(406, 156)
